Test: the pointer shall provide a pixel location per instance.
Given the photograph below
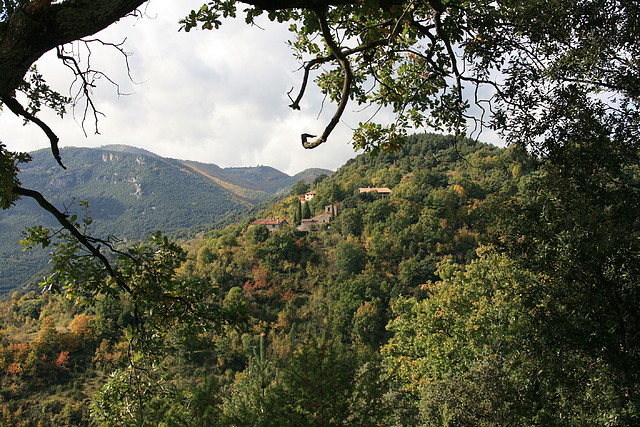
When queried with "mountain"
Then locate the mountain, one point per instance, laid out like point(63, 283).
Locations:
point(132, 192)
point(127, 149)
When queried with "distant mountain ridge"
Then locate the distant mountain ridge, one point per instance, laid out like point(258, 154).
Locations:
point(257, 178)
point(127, 149)
point(132, 193)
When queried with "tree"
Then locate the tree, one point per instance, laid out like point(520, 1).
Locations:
point(427, 60)
point(350, 257)
point(297, 211)
point(28, 29)
point(282, 245)
point(306, 211)
point(491, 346)
point(575, 220)
point(299, 188)
point(350, 222)
point(432, 61)
point(315, 385)
point(257, 234)
point(319, 179)
point(541, 64)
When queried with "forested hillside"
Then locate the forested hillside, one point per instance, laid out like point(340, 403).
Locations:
point(132, 193)
point(489, 288)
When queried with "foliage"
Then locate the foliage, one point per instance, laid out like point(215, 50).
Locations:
point(9, 175)
point(537, 329)
point(577, 222)
point(38, 93)
point(297, 211)
point(306, 211)
point(540, 64)
point(391, 315)
point(169, 313)
point(350, 258)
point(484, 348)
point(299, 188)
point(159, 297)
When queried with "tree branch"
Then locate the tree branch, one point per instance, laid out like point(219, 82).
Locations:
point(273, 5)
point(17, 109)
point(346, 83)
point(85, 86)
point(295, 103)
point(40, 26)
point(454, 64)
point(84, 240)
point(308, 66)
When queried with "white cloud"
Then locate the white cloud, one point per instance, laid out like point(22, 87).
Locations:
point(213, 96)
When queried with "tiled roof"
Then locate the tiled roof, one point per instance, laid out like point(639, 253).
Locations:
point(273, 221)
point(377, 189)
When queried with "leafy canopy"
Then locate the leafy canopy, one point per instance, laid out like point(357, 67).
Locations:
point(535, 71)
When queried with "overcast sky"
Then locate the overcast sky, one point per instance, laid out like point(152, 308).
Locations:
point(213, 96)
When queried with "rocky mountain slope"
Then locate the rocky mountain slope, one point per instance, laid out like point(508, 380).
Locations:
point(132, 192)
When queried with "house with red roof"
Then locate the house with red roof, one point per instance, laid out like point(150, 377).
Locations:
point(382, 191)
point(310, 195)
point(271, 224)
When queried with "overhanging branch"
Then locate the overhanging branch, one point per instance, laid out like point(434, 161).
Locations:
point(309, 65)
point(295, 4)
point(84, 240)
point(32, 31)
point(454, 66)
point(346, 82)
point(17, 109)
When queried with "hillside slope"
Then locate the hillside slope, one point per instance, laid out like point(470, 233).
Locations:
point(487, 287)
point(132, 193)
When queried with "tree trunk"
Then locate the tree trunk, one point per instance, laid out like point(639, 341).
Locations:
point(39, 26)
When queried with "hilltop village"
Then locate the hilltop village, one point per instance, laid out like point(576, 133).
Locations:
point(302, 212)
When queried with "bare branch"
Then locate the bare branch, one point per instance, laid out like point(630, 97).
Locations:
point(85, 85)
point(87, 76)
point(309, 65)
point(119, 47)
point(30, 32)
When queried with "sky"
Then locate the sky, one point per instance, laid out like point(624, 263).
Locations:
point(212, 96)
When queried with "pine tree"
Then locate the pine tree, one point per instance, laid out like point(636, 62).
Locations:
point(306, 212)
point(297, 211)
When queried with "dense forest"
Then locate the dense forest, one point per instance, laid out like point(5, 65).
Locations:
point(492, 287)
